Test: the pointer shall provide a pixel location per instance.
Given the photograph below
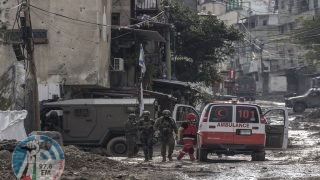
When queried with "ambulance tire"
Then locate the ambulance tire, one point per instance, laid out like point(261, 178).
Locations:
point(259, 156)
point(203, 155)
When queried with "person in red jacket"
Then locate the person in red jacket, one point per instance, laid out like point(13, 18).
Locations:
point(188, 133)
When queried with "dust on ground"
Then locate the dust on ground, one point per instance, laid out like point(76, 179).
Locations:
point(300, 161)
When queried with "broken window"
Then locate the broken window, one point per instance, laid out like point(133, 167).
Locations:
point(39, 36)
point(115, 19)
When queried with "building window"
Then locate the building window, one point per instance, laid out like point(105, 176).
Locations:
point(39, 36)
point(115, 19)
point(282, 5)
point(265, 22)
point(233, 4)
point(315, 4)
point(282, 29)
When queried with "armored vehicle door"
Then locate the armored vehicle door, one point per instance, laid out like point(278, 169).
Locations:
point(276, 128)
point(80, 121)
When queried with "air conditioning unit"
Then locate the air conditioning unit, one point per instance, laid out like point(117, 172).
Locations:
point(118, 64)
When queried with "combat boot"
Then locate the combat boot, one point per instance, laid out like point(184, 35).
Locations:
point(170, 158)
point(146, 158)
point(164, 159)
point(180, 156)
point(192, 158)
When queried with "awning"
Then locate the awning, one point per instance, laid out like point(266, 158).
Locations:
point(142, 34)
point(149, 35)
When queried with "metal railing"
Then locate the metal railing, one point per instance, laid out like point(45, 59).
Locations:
point(147, 4)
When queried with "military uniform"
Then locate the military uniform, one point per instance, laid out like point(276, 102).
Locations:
point(166, 126)
point(145, 127)
point(131, 134)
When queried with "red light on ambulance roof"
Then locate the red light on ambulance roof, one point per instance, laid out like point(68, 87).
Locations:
point(263, 119)
point(205, 117)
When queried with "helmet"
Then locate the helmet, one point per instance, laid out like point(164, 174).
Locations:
point(146, 113)
point(166, 113)
point(191, 117)
point(132, 116)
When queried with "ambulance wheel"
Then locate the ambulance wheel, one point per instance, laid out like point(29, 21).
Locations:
point(117, 147)
point(258, 156)
point(203, 155)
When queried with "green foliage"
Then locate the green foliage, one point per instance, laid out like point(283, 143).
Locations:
point(205, 39)
point(308, 36)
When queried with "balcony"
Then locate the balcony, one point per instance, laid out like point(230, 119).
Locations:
point(148, 7)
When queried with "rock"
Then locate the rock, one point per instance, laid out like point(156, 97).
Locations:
point(5, 154)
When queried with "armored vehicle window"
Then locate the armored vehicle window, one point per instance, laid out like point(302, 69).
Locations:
point(81, 112)
point(221, 114)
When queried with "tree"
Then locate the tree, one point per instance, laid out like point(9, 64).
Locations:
point(205, 40)
point(308, 36)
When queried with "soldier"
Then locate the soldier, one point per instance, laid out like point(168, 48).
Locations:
point(131, 134)
point(145, 127)
point(166, 125)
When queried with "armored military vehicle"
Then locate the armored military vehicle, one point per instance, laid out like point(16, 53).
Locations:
point(311, 99)
point(93, 122)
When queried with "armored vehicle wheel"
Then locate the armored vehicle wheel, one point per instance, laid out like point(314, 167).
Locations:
point(203, 155)
point(258, 156)
point(299, 107)
point(117, 146)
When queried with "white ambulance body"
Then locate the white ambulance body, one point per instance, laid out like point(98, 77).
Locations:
point(230, 128)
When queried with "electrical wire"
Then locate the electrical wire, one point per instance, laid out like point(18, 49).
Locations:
point(99, 24)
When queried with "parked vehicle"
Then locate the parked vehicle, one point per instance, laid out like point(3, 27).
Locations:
point(245, 86)
point(93, 122)
point(311, 99)
point(232, 128)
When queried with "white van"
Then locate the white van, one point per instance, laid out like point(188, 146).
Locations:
point(233, 128)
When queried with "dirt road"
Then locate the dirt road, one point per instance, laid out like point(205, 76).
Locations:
point(300, 161)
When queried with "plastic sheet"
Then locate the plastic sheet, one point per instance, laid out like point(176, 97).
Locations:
point(12, 125)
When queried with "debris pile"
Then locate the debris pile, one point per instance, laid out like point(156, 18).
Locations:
point(314, 115)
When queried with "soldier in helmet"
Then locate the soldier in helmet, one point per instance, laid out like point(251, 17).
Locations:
point(131, 134)
point(166, 125)
point(145, 127)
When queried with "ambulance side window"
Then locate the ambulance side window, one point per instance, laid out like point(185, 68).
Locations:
point(247, 114)
point(221, 114)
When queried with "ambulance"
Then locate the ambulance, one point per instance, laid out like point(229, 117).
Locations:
point(232, 128)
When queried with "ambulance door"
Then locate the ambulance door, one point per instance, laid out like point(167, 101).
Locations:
point(247, 127)
point(180, 111)
point(276, 128)
point(217, 128)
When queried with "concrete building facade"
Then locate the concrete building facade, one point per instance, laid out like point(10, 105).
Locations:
point(75, 53)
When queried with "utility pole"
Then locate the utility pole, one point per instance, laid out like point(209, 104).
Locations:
point(32, 103)
point(167, 46)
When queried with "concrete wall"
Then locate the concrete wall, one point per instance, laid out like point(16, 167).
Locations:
point(122, 7)
point(77, 53)
point(277, 84)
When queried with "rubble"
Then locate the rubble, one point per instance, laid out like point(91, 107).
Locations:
point(314, 115)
